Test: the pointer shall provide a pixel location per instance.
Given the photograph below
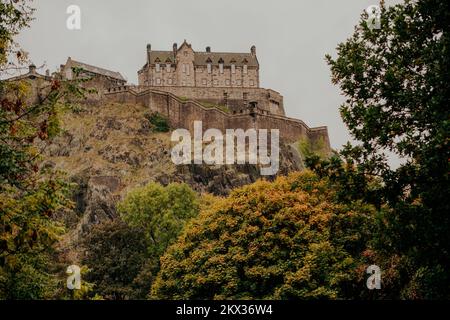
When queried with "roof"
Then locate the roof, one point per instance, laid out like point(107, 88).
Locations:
point(228, 58)
point(31, 74)
point(162, 56)
point(203, 58)
point(97, 70)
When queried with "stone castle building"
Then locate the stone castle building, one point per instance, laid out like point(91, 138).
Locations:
point(226, 79)
point(188, 68)
point(107, 77)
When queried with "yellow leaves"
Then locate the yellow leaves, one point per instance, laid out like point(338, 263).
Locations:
point(11, 261)
point(23, 89)
point(281, 234)
point(263, 272)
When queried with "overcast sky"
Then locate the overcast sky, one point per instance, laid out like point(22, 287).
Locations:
point(291, 39)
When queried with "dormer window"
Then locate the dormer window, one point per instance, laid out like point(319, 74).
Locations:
point(168, 63)
point(244, 70)
point(221, 65)
point(157, 65)
point(233, 66)
point(208, 65)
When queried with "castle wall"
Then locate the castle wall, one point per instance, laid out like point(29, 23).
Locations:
point(235, 99)
point(182, 114)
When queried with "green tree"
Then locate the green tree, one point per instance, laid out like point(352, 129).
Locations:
point(285, 239)
point(396, 83)
point(161, 213)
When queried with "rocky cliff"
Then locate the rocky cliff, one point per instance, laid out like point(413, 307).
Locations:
point(107, 150)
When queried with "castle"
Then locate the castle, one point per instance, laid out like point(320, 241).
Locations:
point(188, 68)
point(220, 89)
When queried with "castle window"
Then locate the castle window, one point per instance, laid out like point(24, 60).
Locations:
point(204, 82)
point(252, 83)
point(186, 68)
point(215, 82)
point(158, 81)
point(169, 81)
point(209, 67)
point(245, 69)
point(238, 82)
point(168, 67)
point(227, 82)
point(157, 66)
point(233, 68)
point(221, 67)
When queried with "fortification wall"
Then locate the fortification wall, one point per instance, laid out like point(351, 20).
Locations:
point(182, 114)
point(235, 99)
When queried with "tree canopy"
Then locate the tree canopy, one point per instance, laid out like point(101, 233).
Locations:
point(270, 240)
point(395, 80)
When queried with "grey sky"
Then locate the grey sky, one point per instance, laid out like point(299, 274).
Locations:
point(291, 39)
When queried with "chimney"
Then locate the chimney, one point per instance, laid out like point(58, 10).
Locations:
point(32, 68)
point(47, 73)
point(149, 48)
point(208, 49)
point(253, 50)
point(175, 49)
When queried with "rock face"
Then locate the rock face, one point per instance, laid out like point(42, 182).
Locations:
point(108, 150)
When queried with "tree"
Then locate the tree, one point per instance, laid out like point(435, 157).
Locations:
point(161, 213)
point(116, 255)
point(395, 80)
point(285, 239)
point(30, 194)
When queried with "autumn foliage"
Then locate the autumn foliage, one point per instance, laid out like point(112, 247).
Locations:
point(269, 240)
